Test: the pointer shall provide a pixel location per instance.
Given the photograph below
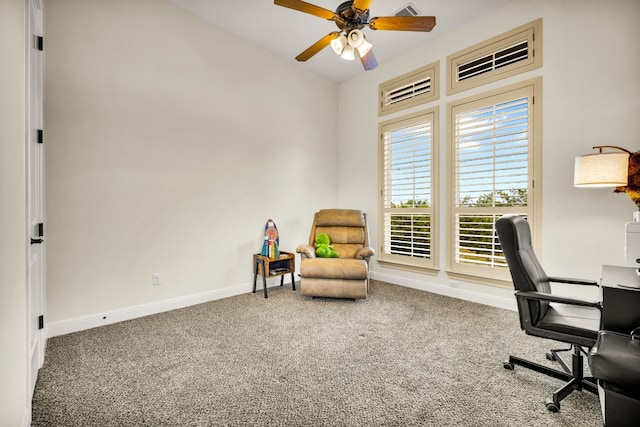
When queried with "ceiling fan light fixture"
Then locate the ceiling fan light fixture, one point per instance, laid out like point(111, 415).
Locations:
point(356, 38)
point(348, 53)
point(338, 44)
point(364, 48)
point(351, 17)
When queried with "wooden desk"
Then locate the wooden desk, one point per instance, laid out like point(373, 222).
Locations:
point(620, 299)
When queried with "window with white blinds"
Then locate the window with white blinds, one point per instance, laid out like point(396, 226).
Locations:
point(493, 61)
point(492, 145)
point(406, 91)
point(411, 89)
point(493, 155)
point(505, 55)
point(408, 226)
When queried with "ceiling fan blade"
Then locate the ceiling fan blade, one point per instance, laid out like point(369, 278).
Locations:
point(403, 23)
point(368, 60)
point(317, 46)
point(309, 8)
point(361, 4)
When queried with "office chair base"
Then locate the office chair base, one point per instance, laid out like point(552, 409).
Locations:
point(574, 381)
point(555, 357)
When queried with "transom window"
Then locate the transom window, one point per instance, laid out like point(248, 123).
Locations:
point(508, 54)
point(411, 89)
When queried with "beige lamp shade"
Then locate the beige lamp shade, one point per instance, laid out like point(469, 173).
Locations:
point(601, 170)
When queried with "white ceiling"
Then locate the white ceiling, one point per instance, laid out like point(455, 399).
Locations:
point(288, 32)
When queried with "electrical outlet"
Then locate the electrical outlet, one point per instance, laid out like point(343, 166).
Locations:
point(156, 278)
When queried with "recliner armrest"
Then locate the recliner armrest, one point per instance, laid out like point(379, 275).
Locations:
point(539, 296)
point(365, 253)
point(573, 281)
point(306, 251)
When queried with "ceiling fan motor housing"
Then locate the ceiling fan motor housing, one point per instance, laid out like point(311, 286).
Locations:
point(350, 19)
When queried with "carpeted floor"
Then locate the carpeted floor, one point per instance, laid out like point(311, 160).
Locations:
point(402, 357)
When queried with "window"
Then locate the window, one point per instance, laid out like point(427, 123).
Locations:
point(414, 88)
point(408, 153)
point(493, 153)
point(508, 54)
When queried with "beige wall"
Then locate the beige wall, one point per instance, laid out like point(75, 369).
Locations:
point(160, 127)
point(591, 96)
point(12, 213)
point(169, 145)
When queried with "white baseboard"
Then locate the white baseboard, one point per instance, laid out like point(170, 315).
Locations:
point(106, 318)
point(481, 298)
point(100, 319)
point(26, 418)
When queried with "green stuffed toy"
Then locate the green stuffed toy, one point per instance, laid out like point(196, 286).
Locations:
point(323, 249)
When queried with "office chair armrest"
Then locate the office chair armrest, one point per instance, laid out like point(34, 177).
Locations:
point(306, 251)
point(556, 298)
point(572, 281)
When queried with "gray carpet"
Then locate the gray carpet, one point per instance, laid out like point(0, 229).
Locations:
point(402, 357)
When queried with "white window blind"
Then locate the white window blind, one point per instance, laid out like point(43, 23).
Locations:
point(491, 155)
point(492, 149)
point(508, 54)
point(407, 188)
point(477, 243)
point(493, 61)
point(416, 87)
point(406, 91)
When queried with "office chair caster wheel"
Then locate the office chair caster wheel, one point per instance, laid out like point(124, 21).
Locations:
point(508, 365)
point(552, 406)
point(551, 356)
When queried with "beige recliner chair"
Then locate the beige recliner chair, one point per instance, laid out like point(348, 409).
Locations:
point(346, 276)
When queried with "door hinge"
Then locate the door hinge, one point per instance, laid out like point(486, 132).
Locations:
point(40, 136)
point(40, 43)
point(40, 322)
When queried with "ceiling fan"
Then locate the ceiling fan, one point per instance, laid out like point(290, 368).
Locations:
point(351, 17)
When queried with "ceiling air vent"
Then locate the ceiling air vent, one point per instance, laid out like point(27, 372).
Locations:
point(408, 10)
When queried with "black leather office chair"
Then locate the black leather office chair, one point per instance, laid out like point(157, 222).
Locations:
point(542, 314)
point(615, 363)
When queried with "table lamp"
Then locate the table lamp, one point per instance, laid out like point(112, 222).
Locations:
point(620, 169)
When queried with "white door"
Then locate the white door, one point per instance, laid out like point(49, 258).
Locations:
point(36, 338)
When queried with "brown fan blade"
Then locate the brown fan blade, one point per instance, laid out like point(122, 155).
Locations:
point(309, 8)
point(368, 60)
point(317, 46)
point(403, 23)
point(361, 4)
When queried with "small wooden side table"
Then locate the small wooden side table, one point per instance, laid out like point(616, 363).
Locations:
point(272, 267)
